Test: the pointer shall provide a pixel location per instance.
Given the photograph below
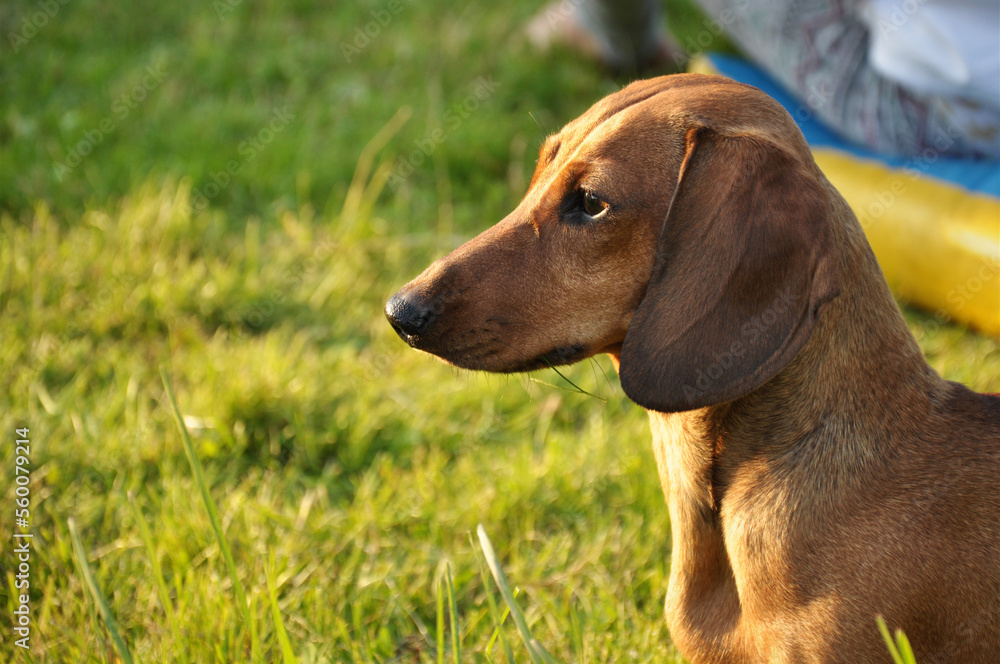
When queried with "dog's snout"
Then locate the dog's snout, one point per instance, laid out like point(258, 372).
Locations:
point(407, 317)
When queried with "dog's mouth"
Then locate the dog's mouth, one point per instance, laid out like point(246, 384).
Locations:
point(491, 359)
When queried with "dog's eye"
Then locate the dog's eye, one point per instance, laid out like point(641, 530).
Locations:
point(593, 205)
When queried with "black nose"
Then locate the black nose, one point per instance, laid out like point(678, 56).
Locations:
point(407, 317)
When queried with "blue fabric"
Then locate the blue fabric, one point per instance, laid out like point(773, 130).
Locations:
point(975, 175)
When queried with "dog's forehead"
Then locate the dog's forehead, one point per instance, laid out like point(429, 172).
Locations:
point(663, 95)
point(668, 104)
point(631, 107)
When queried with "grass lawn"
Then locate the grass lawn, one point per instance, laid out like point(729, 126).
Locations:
point(230, 190)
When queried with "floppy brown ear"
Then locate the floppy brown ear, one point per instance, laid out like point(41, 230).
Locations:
point(744, 264)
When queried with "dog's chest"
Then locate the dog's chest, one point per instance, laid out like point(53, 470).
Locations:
point(755, 509)
point(761, 518)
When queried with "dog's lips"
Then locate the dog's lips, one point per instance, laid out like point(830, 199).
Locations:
point(563, 354)
point(472, 356)
point(555, 357)
point(490, 357)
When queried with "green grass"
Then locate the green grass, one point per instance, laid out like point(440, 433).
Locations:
point(347, 472)
point(899, 647)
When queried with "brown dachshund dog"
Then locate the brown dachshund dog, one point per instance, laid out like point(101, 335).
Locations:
point(818, 472)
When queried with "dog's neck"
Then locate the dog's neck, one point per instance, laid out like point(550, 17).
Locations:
point(860, 347)
point(817, 416)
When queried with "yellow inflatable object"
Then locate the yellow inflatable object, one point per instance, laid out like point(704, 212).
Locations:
point(938, 243)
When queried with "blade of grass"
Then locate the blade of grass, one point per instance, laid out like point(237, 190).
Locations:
point(905, 650)
point(161, 584)
point(95, 619)
point(255, 649)
point(456, 645)
point(95, 592)
point(213, 514)
point(498, 618)
point(287, 654)
point(575, 624)
point(358, 613)
point(378, 181)
point(440, 619)
point(538, 654)
point(357, 188)
point(884, 629)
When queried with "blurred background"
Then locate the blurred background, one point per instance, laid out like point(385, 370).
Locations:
point(230, 190)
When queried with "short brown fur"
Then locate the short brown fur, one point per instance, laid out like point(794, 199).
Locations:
point(818, 473)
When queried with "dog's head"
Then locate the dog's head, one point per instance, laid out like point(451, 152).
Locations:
point(679, 224)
